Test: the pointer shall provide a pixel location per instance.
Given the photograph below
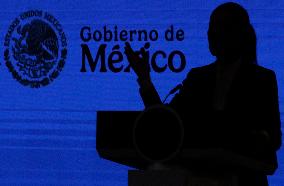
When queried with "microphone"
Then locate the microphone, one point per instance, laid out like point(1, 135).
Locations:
point(174, 90)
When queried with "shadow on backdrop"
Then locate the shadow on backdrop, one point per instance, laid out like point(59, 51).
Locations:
point(231, 103)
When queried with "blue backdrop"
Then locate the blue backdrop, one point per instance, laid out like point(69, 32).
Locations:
point(47, 135)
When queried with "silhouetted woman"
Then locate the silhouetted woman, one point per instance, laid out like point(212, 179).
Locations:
point(231, 103)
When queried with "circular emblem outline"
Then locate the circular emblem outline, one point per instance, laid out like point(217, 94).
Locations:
point(181, 138)
point(37, 56)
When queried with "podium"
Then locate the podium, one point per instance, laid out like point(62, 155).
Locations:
point(114, 142)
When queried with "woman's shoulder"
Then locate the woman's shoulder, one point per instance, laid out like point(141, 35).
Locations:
point(262, 72)
point(202, 70)
point(262, 69)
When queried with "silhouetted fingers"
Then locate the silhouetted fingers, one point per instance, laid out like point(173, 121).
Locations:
point(128, 48)
point(145, 57)
point(143, 52)
point(132, 56)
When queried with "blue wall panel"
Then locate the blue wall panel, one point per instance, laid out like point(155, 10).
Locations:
point(47, 135)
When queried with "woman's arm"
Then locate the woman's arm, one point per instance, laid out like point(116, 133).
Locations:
point(268, 132)
point(272, 115)
point(139, 62)
point(148, 93)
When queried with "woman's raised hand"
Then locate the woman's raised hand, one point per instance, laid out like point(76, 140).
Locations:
point(139, 61)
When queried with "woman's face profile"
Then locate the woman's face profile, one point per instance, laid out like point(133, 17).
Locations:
point(226, 33)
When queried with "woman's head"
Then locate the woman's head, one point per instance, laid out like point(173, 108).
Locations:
point(230, 34)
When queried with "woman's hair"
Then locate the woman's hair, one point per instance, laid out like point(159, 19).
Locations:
point(231, 34)
point(250, 50)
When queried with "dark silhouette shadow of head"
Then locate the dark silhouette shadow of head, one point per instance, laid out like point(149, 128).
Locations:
point(230, 34)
